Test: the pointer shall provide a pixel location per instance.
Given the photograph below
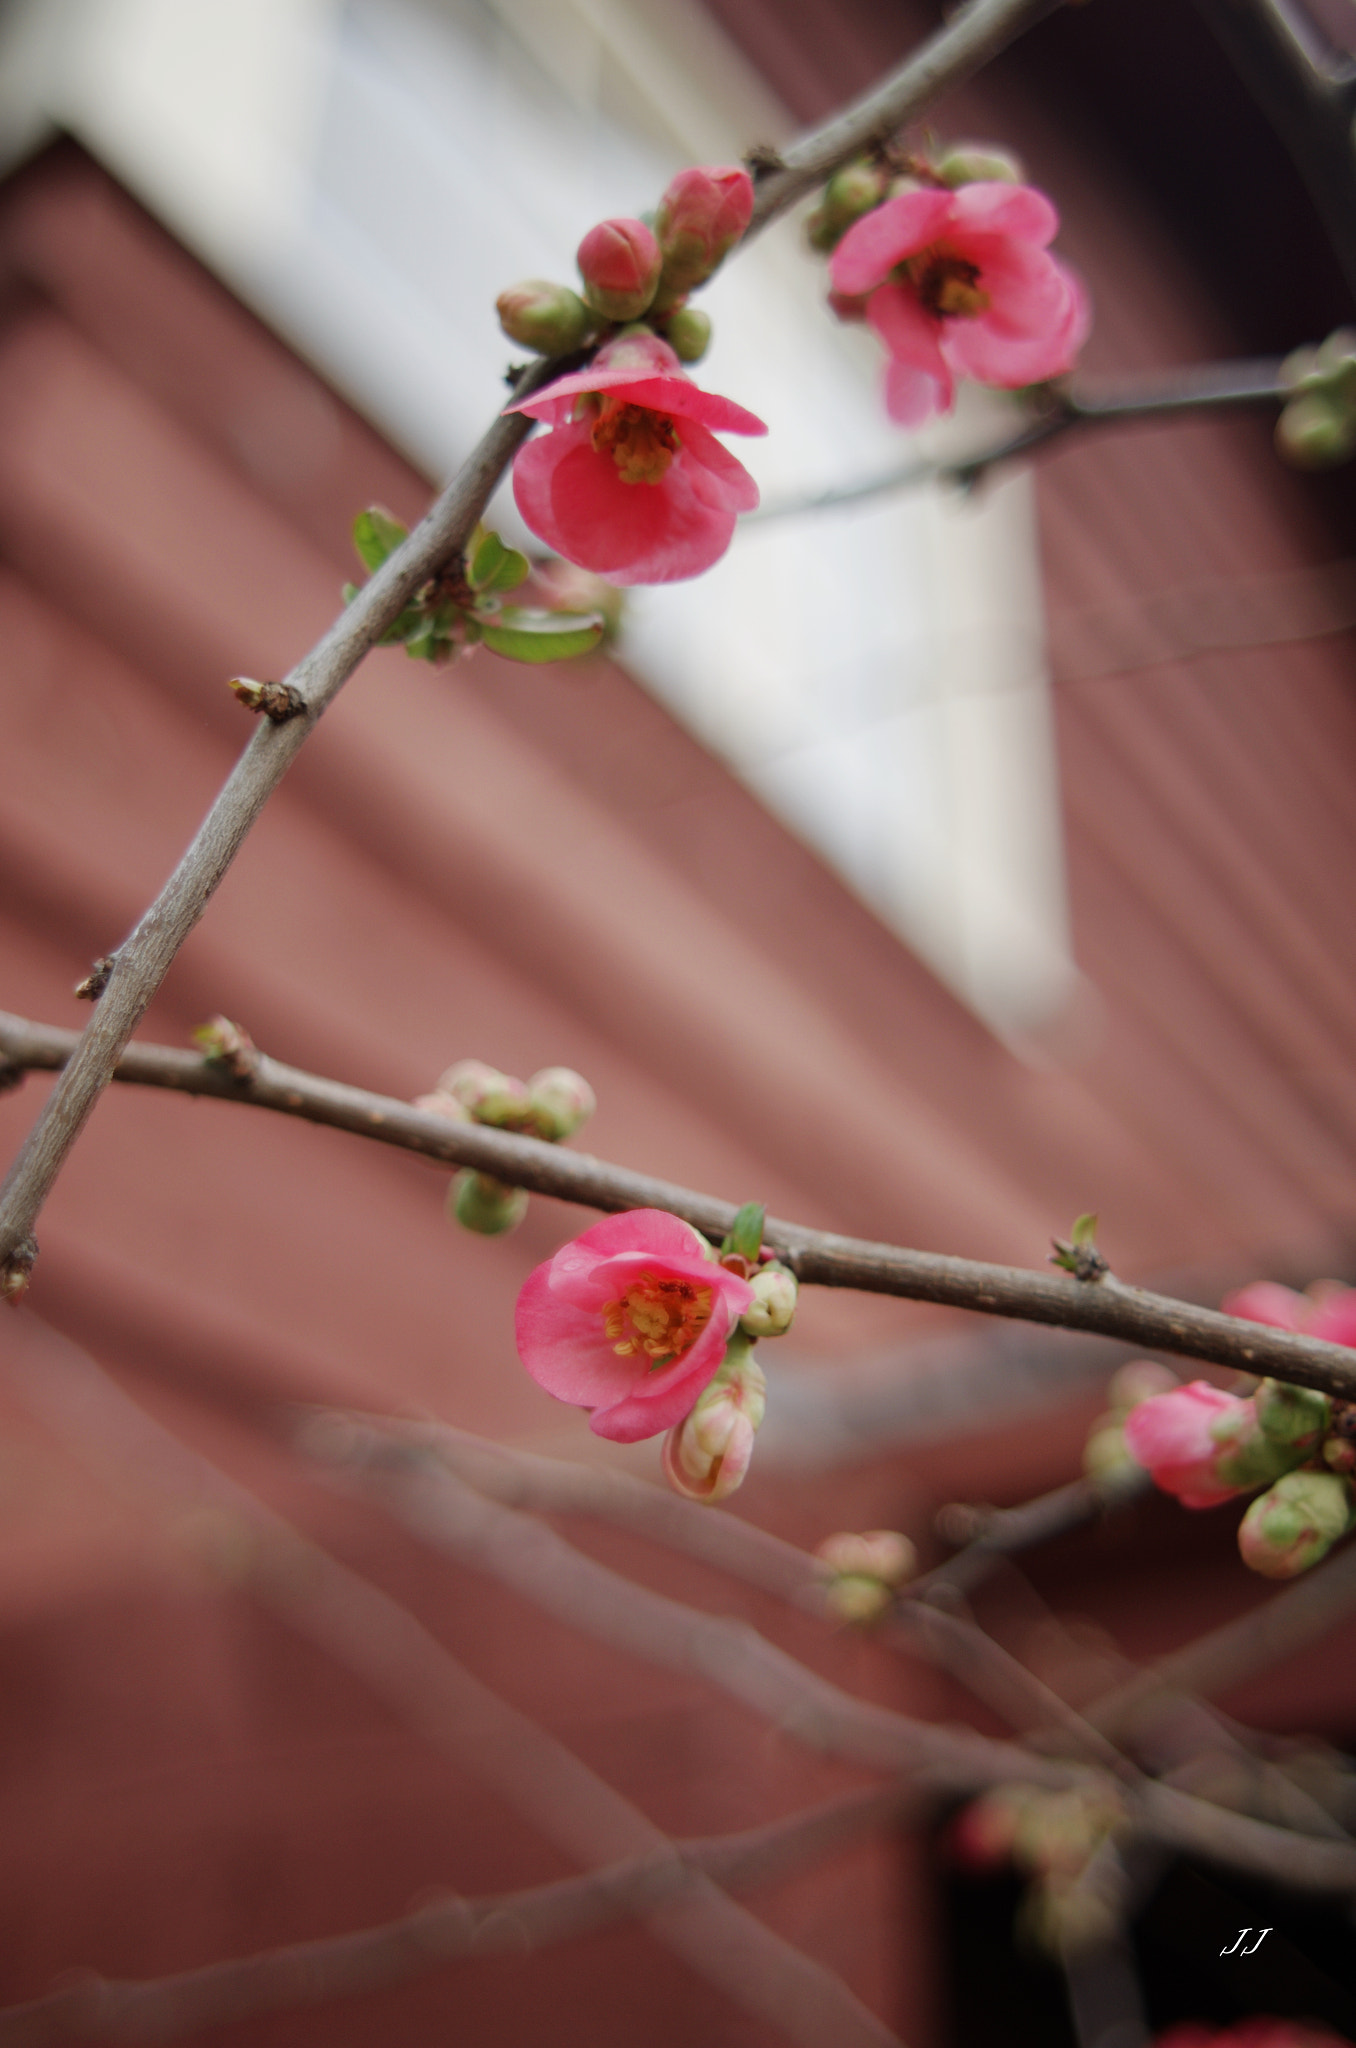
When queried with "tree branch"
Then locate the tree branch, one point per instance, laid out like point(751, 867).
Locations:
point(418, 1943)
point(972, 38)
point(1107, 1307)
point(1206, 388)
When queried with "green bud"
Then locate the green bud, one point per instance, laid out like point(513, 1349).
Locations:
point(1290, 1415)
point(688, 334)
point(547, 317)
point(479, 1202)
point(560, 1101)
point(774, 1302)
point(1312, 433)
point(1295, 1523)
point(971, 163)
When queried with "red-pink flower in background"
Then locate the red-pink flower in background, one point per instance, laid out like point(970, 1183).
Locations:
point(1185, 1437)
point(630, 1320)
point(961, 284)
point(631, 481)
point(1327, 1310)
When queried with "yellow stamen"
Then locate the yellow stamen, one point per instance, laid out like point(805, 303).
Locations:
point(658, 1316)
point(946, 284)
point(642, 443)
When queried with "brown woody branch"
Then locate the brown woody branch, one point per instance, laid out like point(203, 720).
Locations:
point(444, 1931)
point(1108, 1307)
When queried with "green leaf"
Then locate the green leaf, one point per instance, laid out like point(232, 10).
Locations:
point(403, 629)
point(511, 571)
point(486, 553)
point(745, 1234)
point(376, 535)
point(542, 636)
point(1085, 1229)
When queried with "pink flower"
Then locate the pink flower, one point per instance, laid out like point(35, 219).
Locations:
point(631, 482)
point(1327, 1310)
point(1201, 1444)
point(631, 1321)
point(961, 285)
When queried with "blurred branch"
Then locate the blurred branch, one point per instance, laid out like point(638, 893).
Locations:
point(446, 1930)
point(432, 1692)
point(972, 38)
point(1107, 1307)
point(1206, 388)
point(1308, 93)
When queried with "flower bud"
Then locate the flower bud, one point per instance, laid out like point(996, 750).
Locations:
point(1204, 1445)
point(701, 216)
point(850, 193)
point(1292, 1415)
point(774, 1301)
point(972, 163)
point(1339, 1454)
point(483, 1204)
point(707, 1455)
point(549, 318)
point(560, 1101)
point(488, 1096)
point(619, 262)
point(228, 1046)
point(853, 1598)
point(981, 1836)
point(880, 1554)
point(1139, 1381)
point(1313, 433)
point(688, 334)
point(1295, 1523)
point(1106, 1450)
point(439, 1103)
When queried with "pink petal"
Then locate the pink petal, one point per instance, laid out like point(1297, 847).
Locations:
point(566, 1349)
point(1334, 1319)
point(1033, 330)
point(911, 335)
point(993, 207)
point(716, 477)
point(911, 396)
point(643, 1230)
point(871, 248)
point(674, 394)
point(1265, 1302)
point(656, 1401)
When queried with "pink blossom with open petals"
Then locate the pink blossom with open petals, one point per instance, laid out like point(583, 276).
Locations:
point(1326, 1310)
point(961, 284)
point(631, 481)
point(630, 1320)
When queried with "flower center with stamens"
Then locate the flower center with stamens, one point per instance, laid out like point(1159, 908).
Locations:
point(947, 285)
point(642, 443)
point(658, 1316)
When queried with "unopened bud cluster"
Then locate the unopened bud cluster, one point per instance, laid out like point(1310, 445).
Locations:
point(1317, 425)
point(637, 271)
point(863, 1571)
point(552, 1105)
point(1050, 1838)
point(1208, 1446)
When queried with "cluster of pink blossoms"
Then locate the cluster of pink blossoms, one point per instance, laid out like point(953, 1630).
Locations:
point(641, 1322)
point(1207, 1446)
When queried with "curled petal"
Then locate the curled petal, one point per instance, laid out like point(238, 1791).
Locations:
point(991, 207)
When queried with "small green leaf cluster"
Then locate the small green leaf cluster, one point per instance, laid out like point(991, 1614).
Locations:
point(463, 605)
point(1317, 426)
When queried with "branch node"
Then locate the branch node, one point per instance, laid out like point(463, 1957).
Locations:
point(228, 1047)
point(96, 981)
point(277, 701)
point(762, 160)
point(16, 1271)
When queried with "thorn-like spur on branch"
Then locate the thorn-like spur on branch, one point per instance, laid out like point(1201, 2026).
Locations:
point(1109, 1308)
point(972, 37)
point(141, 962)
point(1056, 411)
point(443, 1931)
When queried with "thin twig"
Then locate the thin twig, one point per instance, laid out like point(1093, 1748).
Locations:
point(1107, 1307)
point(443, 1931)
point(1205, 388)
point(973, 36)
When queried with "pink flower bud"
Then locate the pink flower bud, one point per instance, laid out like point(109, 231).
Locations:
point(560, 1101)
point(549, 318)
point(774, 1302)
point(1295, 1523)
point(619, 262)
point(881, 1554)
point(707, 1456)
point(701, 216)
point(1204, 1445)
